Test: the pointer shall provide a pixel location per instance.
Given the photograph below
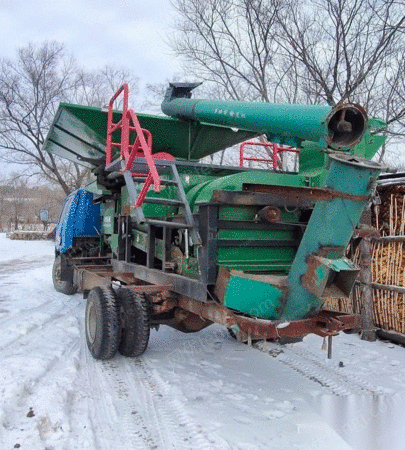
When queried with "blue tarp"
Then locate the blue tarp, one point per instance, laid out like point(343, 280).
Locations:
point(79, 218)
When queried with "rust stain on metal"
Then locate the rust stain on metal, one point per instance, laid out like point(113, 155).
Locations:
point(165, 306)
point(279, 281)
point(222, 283)
point(149, 288)
point(312, 280)
point(304, 192)
point(366, 231)
point(126, 210)
point(210, 311)
point(270, 214)
point(325, 323)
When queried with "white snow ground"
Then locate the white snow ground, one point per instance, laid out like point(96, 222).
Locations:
point(194, 391)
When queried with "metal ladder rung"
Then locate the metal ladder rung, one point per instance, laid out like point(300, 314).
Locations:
point(164, 223)
point(163, 201)
point(163, 182)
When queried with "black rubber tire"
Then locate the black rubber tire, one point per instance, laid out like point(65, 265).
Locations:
point(136, 317)
point(65, 287)
point(232, 334)
point(103, 322)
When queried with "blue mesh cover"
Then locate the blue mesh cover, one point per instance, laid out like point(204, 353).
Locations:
point(79, 218)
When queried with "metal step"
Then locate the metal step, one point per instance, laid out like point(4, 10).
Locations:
point(163, 201)
point(141, 166)
point(164, 223)
point(163, 182)
point(115, 166)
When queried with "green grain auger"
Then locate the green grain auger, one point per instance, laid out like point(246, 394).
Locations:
point(258, 250)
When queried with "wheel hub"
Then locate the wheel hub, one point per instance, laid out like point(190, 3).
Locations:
point(91, 322)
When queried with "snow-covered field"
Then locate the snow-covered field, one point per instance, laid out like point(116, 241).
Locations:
point(194, 391)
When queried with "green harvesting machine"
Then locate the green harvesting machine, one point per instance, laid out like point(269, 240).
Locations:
point(158, 237)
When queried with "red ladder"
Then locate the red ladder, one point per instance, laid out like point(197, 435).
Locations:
point(140, 148)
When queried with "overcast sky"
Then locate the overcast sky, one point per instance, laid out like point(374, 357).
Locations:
point(97, 32)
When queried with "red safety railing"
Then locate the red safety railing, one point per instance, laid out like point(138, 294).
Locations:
point(140, 148)
point(275, 150)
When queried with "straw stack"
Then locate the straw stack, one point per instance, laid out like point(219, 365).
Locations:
point(389, 259)
point(388, 264)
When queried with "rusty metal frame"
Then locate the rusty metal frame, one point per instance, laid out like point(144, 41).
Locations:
point(86, 277)
point(308, 192)
point(325, 323)
point(284, 196)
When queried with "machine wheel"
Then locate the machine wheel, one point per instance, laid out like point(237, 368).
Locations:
point(66, 287)
point(232, 333)
point(103, 322)
point(135, 315)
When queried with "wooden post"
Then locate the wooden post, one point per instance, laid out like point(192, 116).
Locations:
point(368, 332)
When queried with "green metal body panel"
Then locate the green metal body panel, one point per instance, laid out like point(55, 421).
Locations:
point(254, 297)
point(251, 258)
point(78, 133)
point(114, 243)
point(331, 226)
point(236, 181)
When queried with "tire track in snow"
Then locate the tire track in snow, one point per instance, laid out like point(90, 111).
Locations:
point(140, 408)
point(12, 266)
point(359, 384)
point(109, 410)
point(33, 324)
point(169, 410)
point(315, 369)
point(129, 399)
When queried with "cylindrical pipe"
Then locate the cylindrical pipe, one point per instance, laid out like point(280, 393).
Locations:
point(341, 127)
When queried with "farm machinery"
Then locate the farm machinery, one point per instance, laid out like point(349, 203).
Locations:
point(158, 237)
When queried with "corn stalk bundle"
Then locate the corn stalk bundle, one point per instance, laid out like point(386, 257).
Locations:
point(388, 264)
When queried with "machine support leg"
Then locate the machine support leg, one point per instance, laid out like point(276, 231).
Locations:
point(330, 347)
point(151, 250)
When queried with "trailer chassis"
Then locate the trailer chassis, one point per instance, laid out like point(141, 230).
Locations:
point(167, 306)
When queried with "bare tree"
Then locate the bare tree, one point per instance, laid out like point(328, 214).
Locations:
point(348, 50)
point(31, 88)
point(97, 87)
point(229, 43)
point(311, 51)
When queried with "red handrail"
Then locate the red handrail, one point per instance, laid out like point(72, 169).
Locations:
point(276, 149)
point(141, 148)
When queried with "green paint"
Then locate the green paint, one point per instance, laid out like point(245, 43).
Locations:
point(281, 123)
point(87, 130)
point(321, 274)
point(80, 132)
point(331, 225)
point(114, 243)
point(256, 298)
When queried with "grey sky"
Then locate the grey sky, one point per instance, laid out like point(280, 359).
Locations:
point(97, 32)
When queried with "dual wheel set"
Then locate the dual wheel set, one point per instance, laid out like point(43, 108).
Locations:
point(117, 321)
